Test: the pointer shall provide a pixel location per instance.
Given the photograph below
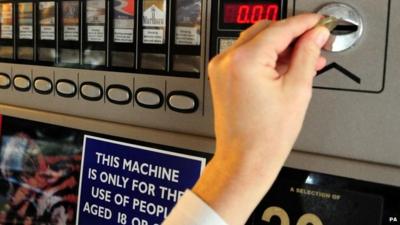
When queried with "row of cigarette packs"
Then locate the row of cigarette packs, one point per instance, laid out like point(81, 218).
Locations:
point(128, 35)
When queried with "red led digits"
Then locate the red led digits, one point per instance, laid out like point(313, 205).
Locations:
point(272, 12)
point(257, 13)
point(249, 13)
point(253, 13)
point(243, 15)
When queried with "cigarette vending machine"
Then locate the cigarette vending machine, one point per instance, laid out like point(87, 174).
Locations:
point(106, 112)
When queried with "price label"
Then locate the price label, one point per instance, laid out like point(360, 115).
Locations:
point(96, 33)
point(6, 31)
point(123, 36)
point(71, 33)
point(153, 36)
point(47, 33)
point(26, 32)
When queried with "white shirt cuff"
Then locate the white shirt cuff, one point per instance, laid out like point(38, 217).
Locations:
point(191, 210)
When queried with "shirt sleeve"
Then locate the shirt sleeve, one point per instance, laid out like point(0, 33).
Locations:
point(191, 210)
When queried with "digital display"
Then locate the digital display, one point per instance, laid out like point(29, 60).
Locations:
point(245, 13)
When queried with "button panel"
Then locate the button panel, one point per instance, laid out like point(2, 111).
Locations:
point(5, 81)
point(43, 85)
point(182, 101)
point(149, 98)
point(91, 91)
point(22, 83)
point(119, 94)
point(66, 88)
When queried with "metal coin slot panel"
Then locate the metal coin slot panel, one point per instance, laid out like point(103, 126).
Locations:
point(357, 49)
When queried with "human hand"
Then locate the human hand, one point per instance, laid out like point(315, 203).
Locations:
point(261, 89)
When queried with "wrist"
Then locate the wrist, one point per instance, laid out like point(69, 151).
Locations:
point(251, 164)
point(226, 184)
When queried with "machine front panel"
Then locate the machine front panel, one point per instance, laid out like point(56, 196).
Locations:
point(118, 62)
point(135, 72)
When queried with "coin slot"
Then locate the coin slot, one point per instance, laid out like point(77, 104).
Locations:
point(349, 26)
point(344, 28)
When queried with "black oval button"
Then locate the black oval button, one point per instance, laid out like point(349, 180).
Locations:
point(182, 101)
point(5, 81)
point(119, 94)
point(43, 85)
point(66, 88)
point(91, 91)
point(22, 83)
point(149, 98)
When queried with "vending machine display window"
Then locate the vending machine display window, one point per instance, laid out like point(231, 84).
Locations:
point(69, 56)
point(25, 53)
point(47, 54)
point(124, 21)
point(25, 31)
point(154, 35)
point(6, 31)
point(25, 21)
point(123, 34)
point(154, 21)
point(94, 57)
point(187, 63)
point(70, 10)
point(95, 35)
point(6, 52)
point(187, 38)
point(95, 19)
point(47, 21)
point(47, 32)
point(121, 59)
point(70, 33)
point(153, 61)
point(188, 22)
point(6, 20)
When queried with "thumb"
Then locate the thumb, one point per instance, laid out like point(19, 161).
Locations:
point(305, 57)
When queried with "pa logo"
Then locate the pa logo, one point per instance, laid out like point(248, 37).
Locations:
point(393, 220)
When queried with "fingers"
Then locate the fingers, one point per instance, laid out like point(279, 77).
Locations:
point(321, 63)
point(280, 35)
point(306, 58)
point(285, 59)
point(252, 31)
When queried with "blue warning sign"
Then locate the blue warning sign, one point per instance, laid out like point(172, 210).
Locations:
point(130, 184)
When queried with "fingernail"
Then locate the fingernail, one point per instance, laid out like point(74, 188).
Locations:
point(322, 36)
